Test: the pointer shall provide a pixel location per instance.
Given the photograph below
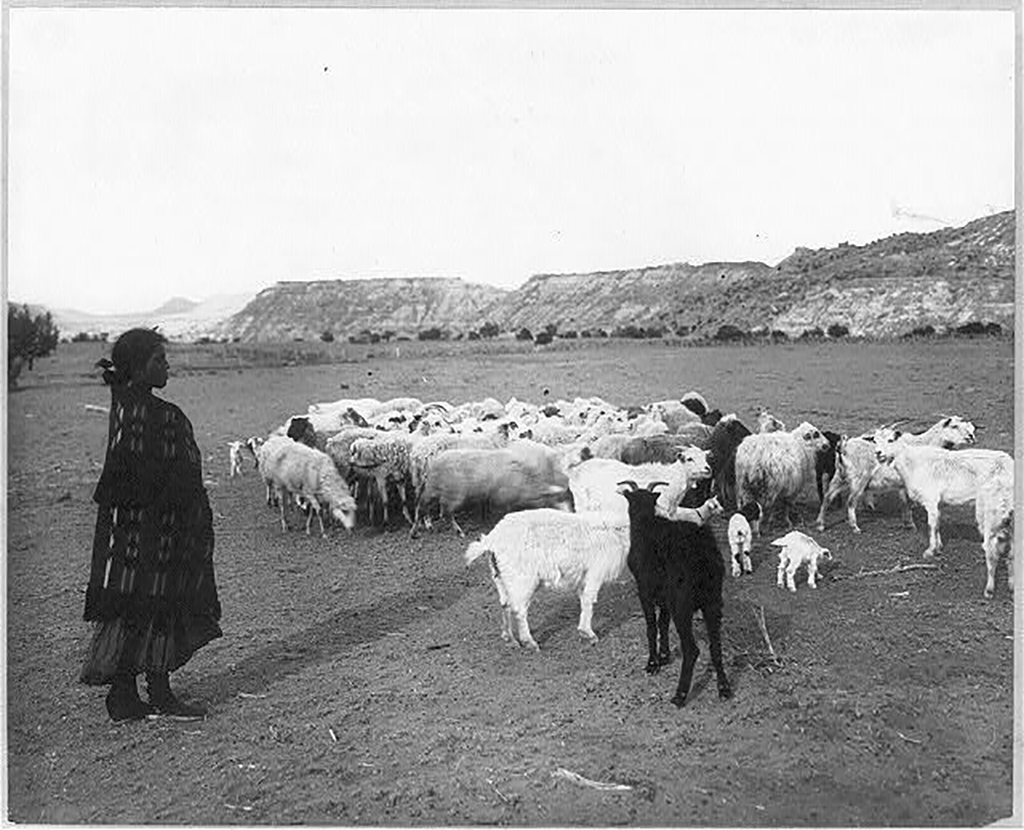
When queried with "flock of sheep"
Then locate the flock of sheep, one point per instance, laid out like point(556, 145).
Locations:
point(589, 489)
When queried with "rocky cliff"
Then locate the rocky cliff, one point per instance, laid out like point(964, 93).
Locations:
point(290, 310)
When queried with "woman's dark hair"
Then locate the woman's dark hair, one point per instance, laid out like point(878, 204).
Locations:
point(131, 351)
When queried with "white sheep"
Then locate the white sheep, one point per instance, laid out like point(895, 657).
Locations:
point(775, 467)
point(562, 551)
point(594, 483)
point(291, 468)
point(235, 457)
point(993, 509)
point(741, 536)
point(385, 459)
point(797, 549)
point(859, 472)
point(766, 422)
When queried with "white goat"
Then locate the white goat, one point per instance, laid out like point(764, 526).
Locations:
point(859, 471)
point(775, 467)
point(291, 468)
point(797, 549)
point(563, 551)
point(994, 513)
point(934, 476)
point(766, 422)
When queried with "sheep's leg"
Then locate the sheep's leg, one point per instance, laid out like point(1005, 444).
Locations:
point(835, 486)
point(520, 609)
point(684, 625)
point(934, 538)
point(856, 491)
point(281, 504)
point(455, 524)
point(991, 545)
point(791, 575)
point(780, 577)
point(812, 573)
point(908, 513)
point(506, 612)
point(713, 623)
point(588, 596)
point(748, 566)
point(402, 496)
point(735, 561)
point(382, 486)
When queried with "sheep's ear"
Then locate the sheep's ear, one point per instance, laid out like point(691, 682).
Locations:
point(947, 422)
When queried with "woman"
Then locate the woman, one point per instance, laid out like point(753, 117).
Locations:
point(151, 589)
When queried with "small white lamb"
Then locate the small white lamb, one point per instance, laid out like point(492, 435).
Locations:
point(235, 455)
point(799, 549)
point(741, 537)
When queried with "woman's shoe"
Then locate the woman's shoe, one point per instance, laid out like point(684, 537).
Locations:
point(124, 703)
point(165, 702)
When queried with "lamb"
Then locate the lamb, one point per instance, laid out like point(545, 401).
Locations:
point(235, 457)
point(994, 514)
point(934, 476)
point(678, 569)
point(741, 536)
point(774, 467)
point(501, 478)
point(859, 471)
point(292, 468)
point(798, 549)
point(562, 551)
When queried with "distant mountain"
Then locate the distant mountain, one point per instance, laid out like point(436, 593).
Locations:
point(942, 279)
point(175, 305)
point(178, 318)
point(290, 310)
point(888, 287)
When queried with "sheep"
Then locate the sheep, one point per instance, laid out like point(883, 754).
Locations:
point(235, 457)
point(290, 467)
point(430, 446)
point(934, 476)
point(562, 551)
point(994, 515)
point(675, 414)
point(693, 466)
point(859, 471)
point(678, 569)
point(766, 422)
point(660, 449)
point(384, 459)
point(774, 467)
point(825, 462)
point(594, 482)
point(500, 478)
point(741, 537)
point(721, 445)
point(796, 549)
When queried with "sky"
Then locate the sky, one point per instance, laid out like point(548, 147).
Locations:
point(160, 152)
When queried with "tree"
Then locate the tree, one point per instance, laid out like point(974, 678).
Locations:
point(489, 330)
point(524, 334)
point(29, 337)
point(327, 337)
point(837, 330)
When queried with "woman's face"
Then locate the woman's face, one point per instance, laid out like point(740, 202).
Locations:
point(154, 373)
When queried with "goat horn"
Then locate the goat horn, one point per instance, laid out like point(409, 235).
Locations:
point(652, 484)
point(632, 485)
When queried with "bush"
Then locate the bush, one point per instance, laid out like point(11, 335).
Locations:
point(29, 337)
point(489, 330)
point(812, 334)
point(568, 335)
point(327, 337)
point(728, 333)
point(543, 338)
point(430, 334)
point(524, 334)
point(920, 331)
point(838, 330)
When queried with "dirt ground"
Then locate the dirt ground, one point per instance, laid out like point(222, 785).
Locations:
point(362, 679)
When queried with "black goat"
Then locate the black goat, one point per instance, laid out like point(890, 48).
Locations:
point(678, 569)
